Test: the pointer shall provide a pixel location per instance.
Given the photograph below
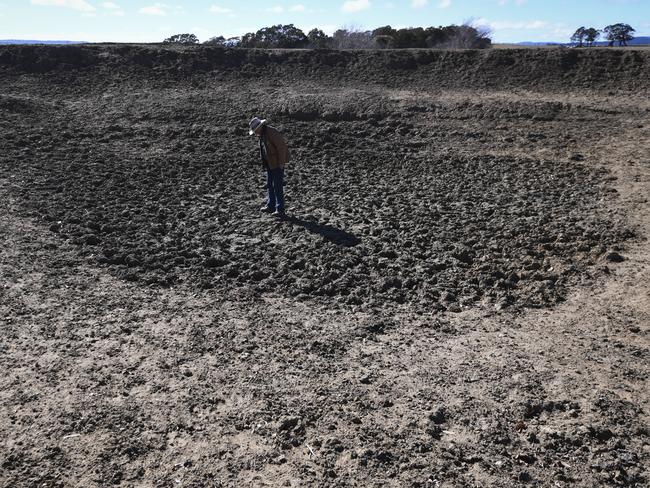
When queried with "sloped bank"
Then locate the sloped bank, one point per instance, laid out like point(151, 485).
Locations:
point(600, 69)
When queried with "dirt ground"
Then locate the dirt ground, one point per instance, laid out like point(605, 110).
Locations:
point(460, 296)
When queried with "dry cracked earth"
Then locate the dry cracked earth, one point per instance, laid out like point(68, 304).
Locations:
point(460, 295)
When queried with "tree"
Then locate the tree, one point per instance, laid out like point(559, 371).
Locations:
point(578, 36)
point(277, 36)
point(384, 42)
point(621, 33)
point(221, 41)
point(216, 41)
point(465, 36)
point(233, 42)
point(186, 39)
point(318, 39)
point(591, 35)
point(384, 31)
point(409, 38)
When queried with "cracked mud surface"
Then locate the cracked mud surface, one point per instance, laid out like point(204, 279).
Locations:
point(458, 297)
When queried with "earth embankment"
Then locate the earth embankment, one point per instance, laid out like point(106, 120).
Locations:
point(595, 68)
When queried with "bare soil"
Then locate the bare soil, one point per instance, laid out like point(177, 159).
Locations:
point(460, 295)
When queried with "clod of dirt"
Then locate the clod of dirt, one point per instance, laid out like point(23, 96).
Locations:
point(614, 257)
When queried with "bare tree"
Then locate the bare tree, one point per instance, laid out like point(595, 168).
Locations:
point(352, 37)
point(466, 36)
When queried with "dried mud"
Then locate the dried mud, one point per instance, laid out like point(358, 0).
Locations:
point(462, 247)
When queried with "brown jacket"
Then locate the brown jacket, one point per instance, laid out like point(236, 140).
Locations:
point(277, 151)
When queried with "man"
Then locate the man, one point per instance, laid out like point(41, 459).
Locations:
point(275, 156)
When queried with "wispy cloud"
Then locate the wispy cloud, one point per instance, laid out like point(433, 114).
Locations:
point(161, 9)
point(80, 5)
point(519, 3)
point(113, 8)
point(153, 10)
point(352, 6)
point(217, 9)
point(419, 3)
point(444, 4)
point(298, 8)
point(514, 25)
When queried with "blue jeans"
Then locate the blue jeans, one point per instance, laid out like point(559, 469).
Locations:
point(275, 183)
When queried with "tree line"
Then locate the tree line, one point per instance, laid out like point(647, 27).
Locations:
point(289, 36)
point(621, 33)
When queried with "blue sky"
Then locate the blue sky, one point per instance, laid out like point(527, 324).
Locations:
point(152, 21)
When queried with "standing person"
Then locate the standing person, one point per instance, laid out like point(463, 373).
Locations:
point(275, 156)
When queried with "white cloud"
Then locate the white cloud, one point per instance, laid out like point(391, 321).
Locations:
point(513, 25)
point(277, 9)
point(152, 10)
point(297, 8)
point(216, 9)
point(113, 8)
point(161, 9)
point(80, 5)
point(352, 6)
point(419, 3)
point(444, 4)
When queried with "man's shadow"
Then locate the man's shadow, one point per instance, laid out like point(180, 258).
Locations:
point(329, 233)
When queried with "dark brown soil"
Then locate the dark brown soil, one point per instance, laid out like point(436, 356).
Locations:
point(458, 296)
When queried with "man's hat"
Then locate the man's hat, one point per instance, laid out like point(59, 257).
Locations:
point(254, 124)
